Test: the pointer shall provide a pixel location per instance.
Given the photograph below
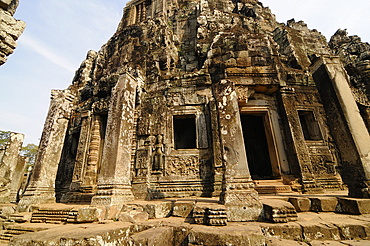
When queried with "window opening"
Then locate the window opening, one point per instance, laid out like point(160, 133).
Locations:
point(310, 127)
point(184, 131)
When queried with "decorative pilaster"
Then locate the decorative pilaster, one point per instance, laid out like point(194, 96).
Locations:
point(42, 184)
point(114, 181)
point(238, 192)
point(90, 176)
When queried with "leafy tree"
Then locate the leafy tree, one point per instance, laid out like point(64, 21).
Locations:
point(30, 151)
point(4, 138)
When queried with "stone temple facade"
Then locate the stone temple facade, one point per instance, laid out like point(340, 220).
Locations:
point(10, 28)
point(208, 98)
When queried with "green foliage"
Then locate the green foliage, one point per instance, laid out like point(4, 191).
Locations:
point(30, 151)
point(4, 138)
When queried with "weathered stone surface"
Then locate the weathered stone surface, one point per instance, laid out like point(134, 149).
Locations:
point(11, 168)
point(319, 231)
point(285, 242)
point(157, 210)
point(10, 28)
point(323, 204)
point(86, 215)
point(301, 204)
point(93, 234)
point(156, 236)
point(278, 211)
point(230, 235)
point(353, 206)
point(290, 230)
point(182, 209)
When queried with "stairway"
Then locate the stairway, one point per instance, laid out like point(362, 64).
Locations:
point(271, 186)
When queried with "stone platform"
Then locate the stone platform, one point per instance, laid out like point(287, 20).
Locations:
point(287, 219)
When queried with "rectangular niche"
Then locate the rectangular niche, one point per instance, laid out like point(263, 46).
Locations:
point(310, 127)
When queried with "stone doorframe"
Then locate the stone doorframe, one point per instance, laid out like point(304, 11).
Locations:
point(276, 148)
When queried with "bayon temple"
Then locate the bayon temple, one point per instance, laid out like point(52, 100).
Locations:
point(208, 98)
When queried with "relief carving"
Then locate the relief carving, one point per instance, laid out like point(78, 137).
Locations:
point(182, 165)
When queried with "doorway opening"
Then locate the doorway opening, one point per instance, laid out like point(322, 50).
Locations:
point(260, 147)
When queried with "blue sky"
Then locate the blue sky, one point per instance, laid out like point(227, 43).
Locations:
point(60, 32)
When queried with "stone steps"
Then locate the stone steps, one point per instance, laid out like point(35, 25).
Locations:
point(271, 187)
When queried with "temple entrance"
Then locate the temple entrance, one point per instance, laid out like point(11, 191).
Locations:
point(259, 145)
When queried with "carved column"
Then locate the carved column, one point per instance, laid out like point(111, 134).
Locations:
point(10, 164)
point(89, 178)
point(42, 184)
point(347, 126)
point(238, 192)
point(114, 181)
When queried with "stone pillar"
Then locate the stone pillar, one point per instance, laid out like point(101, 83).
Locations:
point(347, 126)
point(114, 181)
point(238, 192)
point(42, 184)
point(9, 165)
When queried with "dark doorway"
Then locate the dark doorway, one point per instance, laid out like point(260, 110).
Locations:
point(184, 131)
point(256, 146)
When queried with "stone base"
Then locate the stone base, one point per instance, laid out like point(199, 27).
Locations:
point(241, 205)
point(113, 195)
point(111, 200)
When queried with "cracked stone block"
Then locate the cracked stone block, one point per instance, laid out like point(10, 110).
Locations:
point(353, 206)
point(182, 209)
point(301, 204)
point(323, 204)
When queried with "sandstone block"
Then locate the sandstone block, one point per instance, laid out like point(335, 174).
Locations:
point(156, 236)
point(182, 209)
point(278, 211)
point(86, 215)
point(301, 204)
point(323, 204)
point(133, 216)
point(158, 210)
point(327, 243)
point(285, 242)
point(319, 231)
point(353, 230)
point(353, 206)
point(227, 235)
point(290, 230)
